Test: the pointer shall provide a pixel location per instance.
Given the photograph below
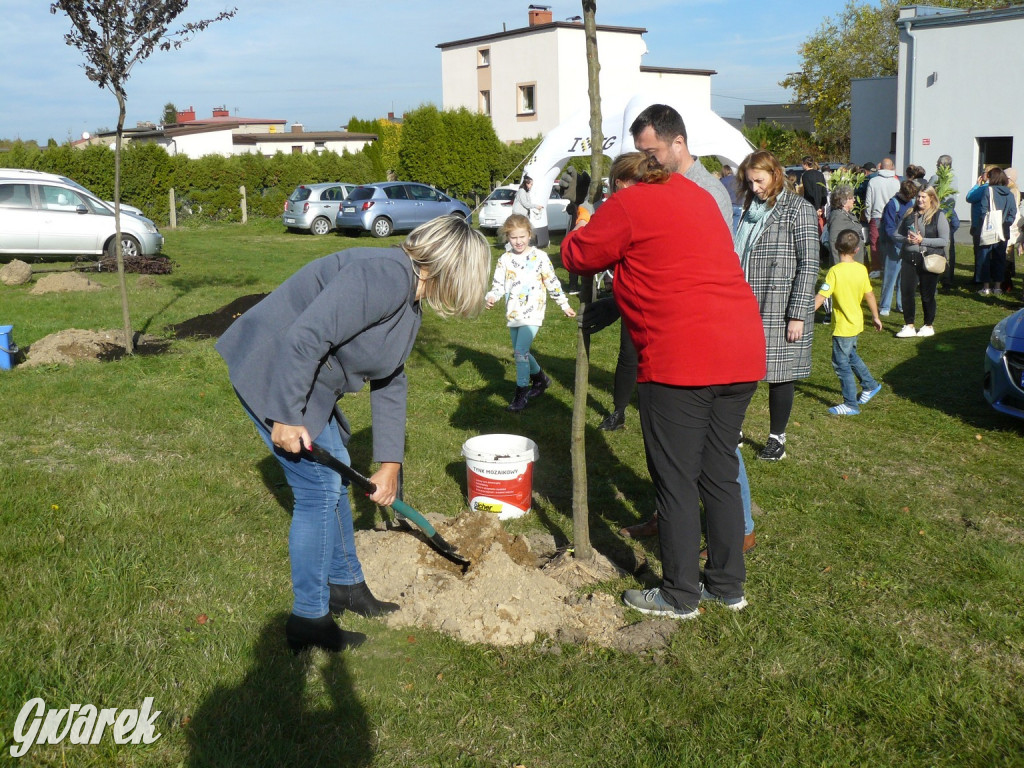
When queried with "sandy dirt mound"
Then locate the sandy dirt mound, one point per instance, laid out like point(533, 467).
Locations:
point(75, 345)
point(508, 596)
point(64, 282)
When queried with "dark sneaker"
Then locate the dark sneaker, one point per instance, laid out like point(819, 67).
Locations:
point(614, 420)
point(651, 602)
point(732, 603)
point(519, 400)
point(773, 451)
point(538, 383)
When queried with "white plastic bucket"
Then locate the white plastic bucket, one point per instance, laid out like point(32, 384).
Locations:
point(499, 474)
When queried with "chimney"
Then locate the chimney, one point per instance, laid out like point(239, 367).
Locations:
point(221, 112)
point(391, 117)
point(297, 127)
point(187, 115)
point(540, 14)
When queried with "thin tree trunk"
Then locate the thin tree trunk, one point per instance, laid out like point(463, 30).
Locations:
point(580, 508)
point(129, 346)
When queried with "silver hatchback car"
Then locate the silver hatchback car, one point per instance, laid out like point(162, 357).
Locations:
point(395, 206)
point(314, 206)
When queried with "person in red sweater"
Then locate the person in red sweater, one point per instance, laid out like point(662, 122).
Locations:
point(700, 342)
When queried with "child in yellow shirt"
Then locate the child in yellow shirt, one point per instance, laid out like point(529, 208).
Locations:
point(847, 284)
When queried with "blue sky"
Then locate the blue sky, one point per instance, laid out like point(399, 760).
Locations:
point(321, 63)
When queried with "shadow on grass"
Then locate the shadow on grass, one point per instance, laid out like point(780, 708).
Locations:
point(267, 719)
point(548, 422)
point(946, 374)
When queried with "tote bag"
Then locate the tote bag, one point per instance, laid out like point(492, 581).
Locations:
point(992, 227)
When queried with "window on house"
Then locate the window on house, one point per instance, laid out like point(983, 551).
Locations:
point(319, 146)
point(527, 99)
point(483, 58)
point(485, 102)
point(296, 149)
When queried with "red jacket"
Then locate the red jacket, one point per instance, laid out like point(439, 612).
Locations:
point(678, 283)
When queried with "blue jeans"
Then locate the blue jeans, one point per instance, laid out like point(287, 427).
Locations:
point(849, 367)
point(321, 542)
point(522, 340)
point(748, 519)
point(891, 278)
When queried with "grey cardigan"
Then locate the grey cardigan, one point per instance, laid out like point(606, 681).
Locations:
point(338, 322)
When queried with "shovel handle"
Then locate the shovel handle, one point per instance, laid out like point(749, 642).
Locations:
point(320, 456)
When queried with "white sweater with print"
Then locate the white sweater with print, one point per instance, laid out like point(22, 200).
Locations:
point(525, 280)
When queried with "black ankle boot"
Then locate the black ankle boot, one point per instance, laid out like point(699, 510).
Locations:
point(358, 599)
point(614, 420)
point(303, 633)
point(540, 382)
point(519, 399)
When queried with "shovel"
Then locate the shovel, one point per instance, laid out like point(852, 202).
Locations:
point(320, 456)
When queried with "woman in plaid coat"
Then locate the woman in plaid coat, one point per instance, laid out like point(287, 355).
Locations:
point(777, 242)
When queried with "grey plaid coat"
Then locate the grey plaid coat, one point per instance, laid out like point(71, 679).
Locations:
point(782, 270)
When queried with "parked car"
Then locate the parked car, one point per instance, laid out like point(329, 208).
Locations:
point(314, 207)
point(28, 173)
point(498, 205)
point(1004, 366)
point(395, 206)
point(44, 217)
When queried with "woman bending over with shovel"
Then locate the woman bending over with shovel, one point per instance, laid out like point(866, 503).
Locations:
point(339, 322)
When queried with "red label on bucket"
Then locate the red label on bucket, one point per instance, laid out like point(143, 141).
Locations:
point(516, 491)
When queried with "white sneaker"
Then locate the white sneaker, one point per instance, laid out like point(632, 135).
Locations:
point(883, 312)
point(874, 275)
point(907, 331)
point(926, 330)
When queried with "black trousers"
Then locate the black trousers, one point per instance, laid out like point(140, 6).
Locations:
point(625, 370)
point(912, 275)
point(690, 438)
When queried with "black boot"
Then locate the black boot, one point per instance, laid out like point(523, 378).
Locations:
point(358, 599)
point(614, 420)
point(519, 400)
point(323, 633)
point(540, 382)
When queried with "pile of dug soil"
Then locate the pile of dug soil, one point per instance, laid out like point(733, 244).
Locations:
point(64, 282)
point(505, 597)
point(75, 345)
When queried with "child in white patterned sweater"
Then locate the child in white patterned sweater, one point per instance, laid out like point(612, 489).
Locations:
point(525, 276)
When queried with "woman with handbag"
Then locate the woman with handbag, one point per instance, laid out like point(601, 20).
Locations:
point(923, 235)
point(993, 210)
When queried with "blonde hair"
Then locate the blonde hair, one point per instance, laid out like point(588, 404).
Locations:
point(761, 160)
point(933, 204)
point(516, 221)
point(455, 262)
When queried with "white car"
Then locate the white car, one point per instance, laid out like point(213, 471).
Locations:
point(27, 173)
point(498, 205)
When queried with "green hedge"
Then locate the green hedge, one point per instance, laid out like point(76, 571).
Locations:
point(206, 189)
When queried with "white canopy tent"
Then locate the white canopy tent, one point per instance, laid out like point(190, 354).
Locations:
point(707, 135)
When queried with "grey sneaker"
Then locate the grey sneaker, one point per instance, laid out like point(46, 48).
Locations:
point(732, 603)
point(651, 602)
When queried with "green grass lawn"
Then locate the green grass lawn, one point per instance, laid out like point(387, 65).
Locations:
point(885, 625)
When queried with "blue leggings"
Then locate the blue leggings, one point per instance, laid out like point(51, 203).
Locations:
point(522, 340)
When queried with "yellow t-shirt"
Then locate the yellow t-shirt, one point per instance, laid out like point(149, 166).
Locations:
point(846, 283)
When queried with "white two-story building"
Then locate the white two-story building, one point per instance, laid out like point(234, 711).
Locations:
point(529, 80)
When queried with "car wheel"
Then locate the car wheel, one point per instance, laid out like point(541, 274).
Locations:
point(381, 227)
point(320, 226)
point(129, 247)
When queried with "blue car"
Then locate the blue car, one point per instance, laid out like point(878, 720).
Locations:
point(394, 206)
point(1004, 366)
